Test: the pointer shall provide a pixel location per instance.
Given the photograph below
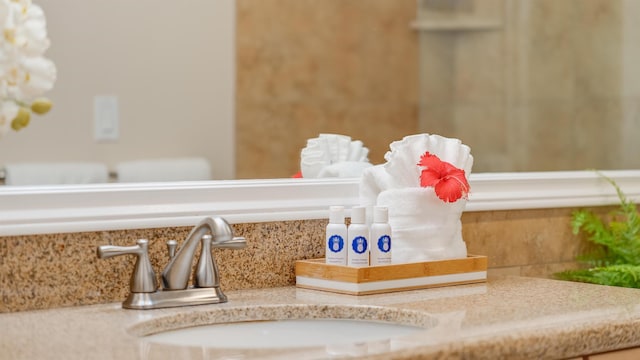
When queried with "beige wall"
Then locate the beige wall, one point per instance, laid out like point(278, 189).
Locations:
point(171, 65)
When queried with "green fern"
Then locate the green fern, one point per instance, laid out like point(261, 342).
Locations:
point(614, 275)
point(616, 259)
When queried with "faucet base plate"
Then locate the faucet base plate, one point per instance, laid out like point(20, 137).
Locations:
point(174, 298)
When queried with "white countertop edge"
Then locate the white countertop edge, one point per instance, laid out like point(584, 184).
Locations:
point(55, 209)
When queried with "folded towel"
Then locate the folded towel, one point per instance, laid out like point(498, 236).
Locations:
point(345, 169)
point(55, 173)
point(333, 155)
point(406, 153)
point(176, 169)
point(424, 226)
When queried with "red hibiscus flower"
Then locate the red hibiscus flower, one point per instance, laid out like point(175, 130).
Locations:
point(449, 182)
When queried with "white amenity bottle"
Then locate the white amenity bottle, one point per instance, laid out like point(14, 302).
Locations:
point(336, 238)
point(380, 237)
point(358, 234)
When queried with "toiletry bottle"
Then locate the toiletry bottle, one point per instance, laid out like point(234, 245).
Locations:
point(358, 234)
point(380, 237)
point(336, 239)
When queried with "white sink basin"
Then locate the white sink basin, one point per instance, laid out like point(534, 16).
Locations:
point(283, 333)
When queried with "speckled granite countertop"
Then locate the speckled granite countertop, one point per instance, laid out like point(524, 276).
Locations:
point(510, 317)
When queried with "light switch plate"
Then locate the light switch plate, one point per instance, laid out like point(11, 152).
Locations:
point(106, 119)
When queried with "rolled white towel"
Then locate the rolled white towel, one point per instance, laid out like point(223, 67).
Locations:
point(373, 181)
point(405, 154)
point(344, 169)
point(333, 155)
point(424, 227)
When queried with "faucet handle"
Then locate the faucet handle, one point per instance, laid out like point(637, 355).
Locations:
point(206, 274)
point(143, 278)
point(171, 248)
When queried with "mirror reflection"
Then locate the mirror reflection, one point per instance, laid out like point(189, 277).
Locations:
point(529, 85)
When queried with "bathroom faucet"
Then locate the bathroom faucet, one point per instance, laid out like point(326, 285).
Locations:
point(144, 293)
point(176, 274)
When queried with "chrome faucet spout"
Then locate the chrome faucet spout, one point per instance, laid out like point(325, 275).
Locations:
point(175, 275)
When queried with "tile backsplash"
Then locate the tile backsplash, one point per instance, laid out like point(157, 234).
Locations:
point(55, 270)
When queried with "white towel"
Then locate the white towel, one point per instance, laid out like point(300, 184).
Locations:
point(405, 154)
point(345, 169)
point(333, 155)
point(55, 173)
point(171, 169)
point(424, 227)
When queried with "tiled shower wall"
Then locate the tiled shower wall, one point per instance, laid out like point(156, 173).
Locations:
point(530, 85)
point(54, 270)
point(548, 85)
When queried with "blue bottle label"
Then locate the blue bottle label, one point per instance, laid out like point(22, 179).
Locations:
point(384, 243)
point(359, 244)
point(335, 243)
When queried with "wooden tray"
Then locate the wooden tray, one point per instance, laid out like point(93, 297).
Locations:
point(315, 274)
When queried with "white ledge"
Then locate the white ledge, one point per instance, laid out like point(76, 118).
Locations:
point(55, 209)
point(535, 190)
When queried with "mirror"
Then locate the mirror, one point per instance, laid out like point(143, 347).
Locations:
point(169, 70)
point(536, 85)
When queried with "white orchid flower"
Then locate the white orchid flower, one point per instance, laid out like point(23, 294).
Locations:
point(8, 112)
point(33, 77)
point(31, 32)
point(24, 73)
